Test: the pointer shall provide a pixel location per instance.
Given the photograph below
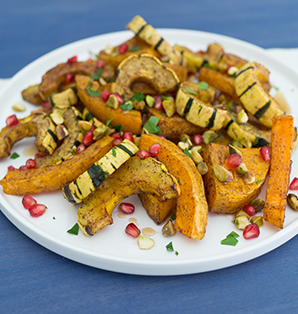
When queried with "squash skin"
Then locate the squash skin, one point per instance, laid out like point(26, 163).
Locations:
point(39, 180)
point(130, 120)
point(228, 198)
point(133, 177)
point(192, 208)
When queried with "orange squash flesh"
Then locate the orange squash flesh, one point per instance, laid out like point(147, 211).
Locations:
point(192, 208)
point(280, 168)
point(34, 181)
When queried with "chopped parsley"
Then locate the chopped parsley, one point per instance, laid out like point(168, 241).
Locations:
point(93, 93)
point(74, 230)
point(187, 152)
point(170, 248)
point(137, 97)
point(203, 85)
point(173, 217)
point(97, 75)
point(258, 182)
point(127, 106)
point(151, 125)
point(54, 218)
point(190, 91)
point(108, 123)
point(114, 152)
point(135, 48)
point(230, 239)
point(164, 97)
point(14, 156)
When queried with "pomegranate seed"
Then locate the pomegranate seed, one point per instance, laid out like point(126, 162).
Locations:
point(12, 120)
point(120, 99)
point(251, 231)
point(142, 154)
point(234, 161)
point(93, 128)
point(250, 209)
point(28, 201)
point(72, 60)
point(158, 103)
point(123, 49)
point(80, 148)
point(294, 184)
point(127, 208)
point(100, 63)
point(128, 136)
point(68, 79)
point(89, 59)
point(265, 153)
point(154, 149)
point(38, 155)
point(31, 163)
point(88, 138)
point(117, 141)
point(23, 168)
point(162, 136)
point(37, 210)
point(9, 168)
point(200, 52)
point(197, 139)
point(116, 135)
point(46, 105)
point(105, 95)
point(132, 230)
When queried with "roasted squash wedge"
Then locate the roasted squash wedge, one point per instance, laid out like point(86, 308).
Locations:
point(227, 198)
point(133, 177)
point(192, 208)
point(31, 94)
point(39, 180)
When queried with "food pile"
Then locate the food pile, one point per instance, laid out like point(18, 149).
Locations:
point(189, 132)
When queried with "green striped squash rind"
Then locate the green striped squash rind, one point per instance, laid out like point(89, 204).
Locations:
point(199, 113)
point(88, 181)
point(253, 96)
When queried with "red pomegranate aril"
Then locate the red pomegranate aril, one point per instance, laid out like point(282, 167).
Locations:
point(37, 210)
point(251, 231)
point(23, 167)
point(142, 154)
point(72, 60)
point(123, 49)
point(127, 208)
point(46, 105)
point(116, 135)
point(93, 128)
point(128, 136)
point(265, 153)
point(100, 64)
point(38, 155)
point(250, 209)
point(294, 184)
point(12, 120)
point(68, 79)
point(88, 138)
point(132, 230)
point(80, 148)
point(154, 149)
point(120, 99)
point(234, 161)
point(197, 139)
point(28, 201)
point(162, 136)
point(117, 141)
point(31, 163)
point(9, 168)
point(158, 103)
point(105, 95)
point(200, 52)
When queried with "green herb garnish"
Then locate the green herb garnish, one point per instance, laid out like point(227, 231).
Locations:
point(151, 125)
point(108, 123)
point(127, 106)
point(176, 253)
point(93, 93)
point(114, 152)
point(169, 247)
point(173, 217)
point(74, 230)
point(14, 156)
point(137, 97)
point(230, 239)
point(135, 48)
point(164, 97)
point(187, 152)
point(118, 127)
point(190, 91)
point(54, 218)
point(97, 75)
point(203, 85)
point(258, 182)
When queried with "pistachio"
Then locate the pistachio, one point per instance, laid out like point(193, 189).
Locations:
point(258, 220)
point(138, 105)
point(109, 49)
point(241, 222)
point(237, 144)
point(209, 136)
point(196, 157)
point(198, 148)
point(183, 145)
point(169, 106)
point(242, 169)
point(57, 117)
point(202, 168)
point(234, 150)
point(94, 86)
point(168, 229)
point(242, 117)
point(102, 81)
point(150, 101)
point(145, 243)
point(241, 212)
point(248, 178)
point(61, 131)
point(113, 102)
point(258, 204)
point(18, 107)
point(183, 136)
point(100, 132)
point(246, 142)
point(232, 71)
point(292, 200)
point(84, 126)
point(222, 174)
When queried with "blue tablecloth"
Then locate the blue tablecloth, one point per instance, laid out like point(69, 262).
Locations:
point(35, 280)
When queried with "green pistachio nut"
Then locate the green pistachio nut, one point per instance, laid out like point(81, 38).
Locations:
point(222, 174)
point(242, 169)
point(292, 200)
point(258, 220)
point(168, 229)
point(258, 204)
point(202, 168)
point(241, 222)
point(209, 136)
point(234, 150)
point(113, 102)
point(242, 117)
point(248, 178)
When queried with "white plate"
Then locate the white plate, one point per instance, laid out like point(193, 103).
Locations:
point(111, 248)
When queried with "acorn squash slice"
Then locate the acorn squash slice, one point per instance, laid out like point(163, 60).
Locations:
point(133, 177)
point(228, 198)
point(192, 208)
point(39, 180)
point(146, 68)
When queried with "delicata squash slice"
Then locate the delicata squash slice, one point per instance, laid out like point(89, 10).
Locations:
point(133, 177)
point(143, 68)
point(192, 208)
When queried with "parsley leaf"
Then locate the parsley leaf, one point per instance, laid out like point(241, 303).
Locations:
point(118, 127)
point(164, 97)
point(114, 152)
point(74, 230)
point(93, 93)
point(187, 152)
point(169, 247)
point(127, 106)
point(135, 48)
point(203, 85)
point(97, 75)
point(173, 217)
point(14, 156)
point(151, 125)
point(137, 97)
point(230, 239)
point(190, 91)
point(176, 253)
point(258, 182)
point(108, 123)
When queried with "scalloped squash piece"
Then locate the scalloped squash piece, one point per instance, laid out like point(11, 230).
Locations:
point(228, 198)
